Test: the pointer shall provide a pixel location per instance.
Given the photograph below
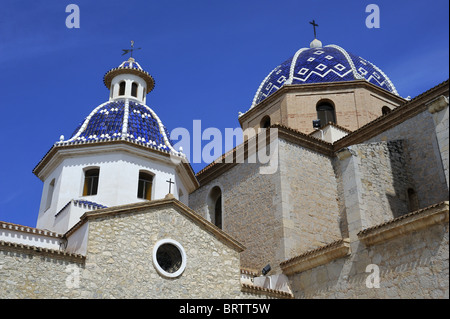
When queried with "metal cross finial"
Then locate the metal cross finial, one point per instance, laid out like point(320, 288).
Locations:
point(170, 185)
point(314, 26)
point(125, 51)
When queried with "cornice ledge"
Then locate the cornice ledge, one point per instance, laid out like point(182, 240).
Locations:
point(316, 257)
point(266, 291)
point(405, 224)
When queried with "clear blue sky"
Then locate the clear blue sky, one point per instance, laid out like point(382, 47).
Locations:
point(207, 57)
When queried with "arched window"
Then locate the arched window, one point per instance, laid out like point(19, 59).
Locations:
point(122, 88)
point(385, 110)
point(91, 181)
point(218, 212)
point(145, 185)
point(265, 122)
point(134, 88)
point(325, 112)
point(215, 206)
point(51, 188)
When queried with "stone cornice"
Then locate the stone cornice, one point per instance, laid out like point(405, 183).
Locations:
point(316, 257)
point(408, 223)
point(228, 160)
point(395, 117)
point(438, 104)
point(4, 245)
point(266, 291)
point(398, 115)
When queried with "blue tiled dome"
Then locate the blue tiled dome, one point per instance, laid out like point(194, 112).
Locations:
point(322, 64)
point(123, 119)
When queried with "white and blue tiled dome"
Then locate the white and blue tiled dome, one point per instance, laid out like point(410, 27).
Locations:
point(319, 64)
point(124, 116)
point(123, 119)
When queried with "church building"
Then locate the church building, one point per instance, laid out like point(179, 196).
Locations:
point(353, 202)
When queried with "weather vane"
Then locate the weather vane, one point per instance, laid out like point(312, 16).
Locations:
point(314, 26)
point(125, 51)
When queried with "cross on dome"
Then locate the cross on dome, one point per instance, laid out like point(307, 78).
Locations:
point(314, 26)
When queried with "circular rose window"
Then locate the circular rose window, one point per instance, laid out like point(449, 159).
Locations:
point(169, 258)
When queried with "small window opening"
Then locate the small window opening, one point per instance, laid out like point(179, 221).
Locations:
point(215, 206)
point(51, 188)
point(122, 88)
point(169, 258)
point(265, 122)
point(326, 113)
point(145, 186)
point(385, 110)
point(134, 88)
point(218, 212)
point(91, 182)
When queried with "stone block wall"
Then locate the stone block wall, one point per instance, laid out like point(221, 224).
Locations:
point(411, 266)
point(276, 216)
point(423, 157)
point(441, 122)
point(121, 247)
point(375, 179)
point(310, 212)
point(251, 211)
point(118, 262)
point(28, 273)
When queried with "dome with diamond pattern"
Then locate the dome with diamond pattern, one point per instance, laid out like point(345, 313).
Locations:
point(318, 64)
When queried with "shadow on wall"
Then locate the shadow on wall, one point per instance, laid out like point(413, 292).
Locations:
point(403, 199)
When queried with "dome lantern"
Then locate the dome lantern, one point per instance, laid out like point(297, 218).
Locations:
point(129, 79)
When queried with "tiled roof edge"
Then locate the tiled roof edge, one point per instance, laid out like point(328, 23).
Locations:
point(60, 253)
point(266, 291)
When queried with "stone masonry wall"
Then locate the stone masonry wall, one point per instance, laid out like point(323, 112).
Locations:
point(411, 266)
point(441, 122)
point(309, 199)
point(423, 160)
point(26, 273)
point(251, 202)
point(382, 180)
point(118, 262)
point(121, 247)
point(277, 216)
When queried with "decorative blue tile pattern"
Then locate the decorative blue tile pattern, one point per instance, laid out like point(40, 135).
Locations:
point(324, 64)
point(371, 73)
point(105, 122)
point(143, 127)
point(89, 204)
point(119, 119)
point(275, 80)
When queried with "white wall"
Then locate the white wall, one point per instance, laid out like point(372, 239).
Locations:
point(24, 235)
point(128, 78)
point(118, 183)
